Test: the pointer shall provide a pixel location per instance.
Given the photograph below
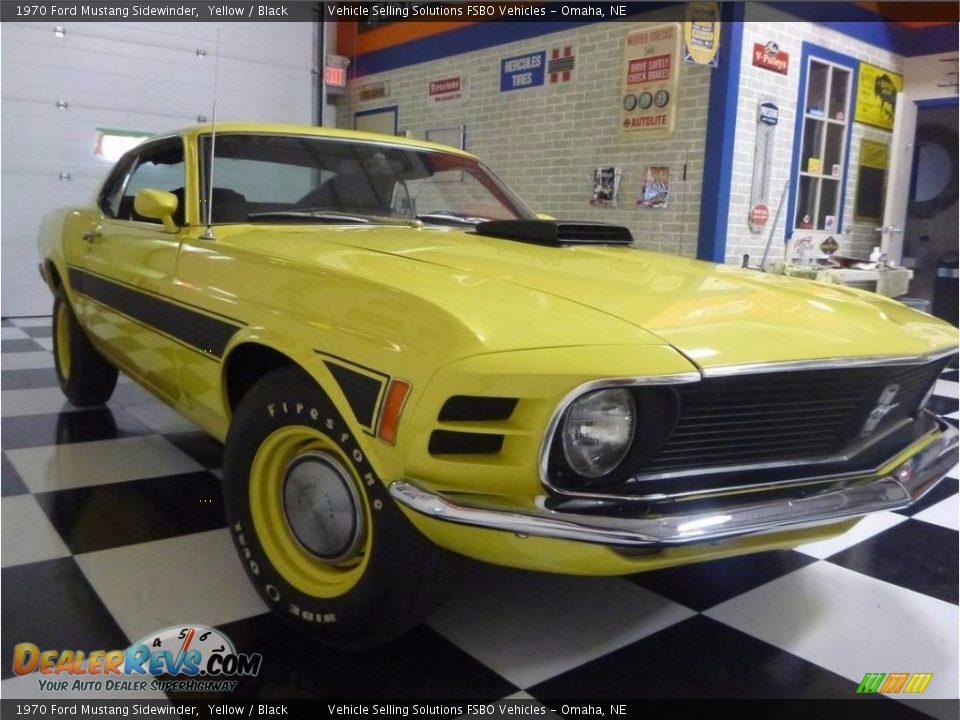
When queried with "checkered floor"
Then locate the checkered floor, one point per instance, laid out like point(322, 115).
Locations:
point(113, 528)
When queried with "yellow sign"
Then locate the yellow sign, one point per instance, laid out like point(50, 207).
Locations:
point(877, 96)
point(871, 181)
point(649, 80)
point(701, 33)
point(874, 154)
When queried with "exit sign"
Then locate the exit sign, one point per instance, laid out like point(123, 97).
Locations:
point(335, 76)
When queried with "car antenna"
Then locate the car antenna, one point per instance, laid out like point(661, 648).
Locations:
point(208, 233)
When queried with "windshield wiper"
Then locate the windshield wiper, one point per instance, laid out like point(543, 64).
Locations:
point(446, 217)
point(329, 216)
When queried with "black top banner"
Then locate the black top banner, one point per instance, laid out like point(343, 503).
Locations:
point(385, 12)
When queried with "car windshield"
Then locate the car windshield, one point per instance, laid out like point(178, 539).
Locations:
point(297, 178)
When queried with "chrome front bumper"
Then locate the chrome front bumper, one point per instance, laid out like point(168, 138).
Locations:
point(617, 524)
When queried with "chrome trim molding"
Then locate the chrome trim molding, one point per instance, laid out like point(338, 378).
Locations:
point(726, 371)
point(907, 483)
point(827, 363)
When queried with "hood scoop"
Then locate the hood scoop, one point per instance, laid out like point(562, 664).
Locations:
point(555, 233)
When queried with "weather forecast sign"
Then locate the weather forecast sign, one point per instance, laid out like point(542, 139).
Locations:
point(523, 71)
point(650, 71)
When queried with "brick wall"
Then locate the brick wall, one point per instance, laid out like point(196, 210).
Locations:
point(545, 142)
point(756, 83)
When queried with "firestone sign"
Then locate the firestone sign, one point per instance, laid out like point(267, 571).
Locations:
point(649, 87)
point(448, 91)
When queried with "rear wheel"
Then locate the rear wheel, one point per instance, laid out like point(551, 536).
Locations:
point(318, 534)
point(84, 376)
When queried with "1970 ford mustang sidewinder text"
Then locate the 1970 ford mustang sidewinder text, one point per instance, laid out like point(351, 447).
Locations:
point(406, 364)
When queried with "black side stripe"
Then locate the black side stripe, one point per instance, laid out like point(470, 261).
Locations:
point(200, 331)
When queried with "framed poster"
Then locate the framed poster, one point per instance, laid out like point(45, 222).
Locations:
point(453, 136)
point(655, 191)
point(377, 120)
point(877, 96)
point(606, 186)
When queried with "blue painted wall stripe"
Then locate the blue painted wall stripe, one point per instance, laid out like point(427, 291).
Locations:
point(849, 19)
point(938, 102)
point(456, 42)
point(721, 131)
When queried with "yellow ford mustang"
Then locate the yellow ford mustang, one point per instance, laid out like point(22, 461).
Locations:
point(403, 360)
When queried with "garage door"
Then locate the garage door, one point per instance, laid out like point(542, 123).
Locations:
point(62, 84)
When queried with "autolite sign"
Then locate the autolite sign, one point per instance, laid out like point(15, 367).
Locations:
point(451, 90)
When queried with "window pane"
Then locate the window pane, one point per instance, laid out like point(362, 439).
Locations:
point(812, 144)
point(806, 202)
point(157, 173)
point(266, 182)
point(459, 189)
point(838, 94)
point(112, 192)
point(833, 150)
point(160, 168)
point(829, 195)
point(816, 87)
point(255, 177)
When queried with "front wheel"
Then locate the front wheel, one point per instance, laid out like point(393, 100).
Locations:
point(84, 376)
point(318, 534)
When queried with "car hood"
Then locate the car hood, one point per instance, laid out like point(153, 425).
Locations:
point(715, 315)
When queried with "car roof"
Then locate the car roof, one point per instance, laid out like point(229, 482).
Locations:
point(314, 131)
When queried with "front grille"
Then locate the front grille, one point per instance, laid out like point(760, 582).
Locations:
point(784, 416)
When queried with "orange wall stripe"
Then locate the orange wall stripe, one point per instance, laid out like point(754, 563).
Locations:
point(351, 42)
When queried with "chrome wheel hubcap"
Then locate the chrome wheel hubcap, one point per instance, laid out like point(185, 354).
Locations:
point(322, 508)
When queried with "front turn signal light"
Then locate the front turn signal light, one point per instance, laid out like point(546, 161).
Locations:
point(397, 392)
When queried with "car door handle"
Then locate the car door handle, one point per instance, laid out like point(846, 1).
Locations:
point(91, 236)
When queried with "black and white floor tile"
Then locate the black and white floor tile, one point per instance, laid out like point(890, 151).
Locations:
point(113, 528)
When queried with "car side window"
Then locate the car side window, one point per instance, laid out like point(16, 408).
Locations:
point(111, 193)
point(159, 167)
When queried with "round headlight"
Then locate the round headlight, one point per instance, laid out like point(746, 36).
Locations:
point(598, 430)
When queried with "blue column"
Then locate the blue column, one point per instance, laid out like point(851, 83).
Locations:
point(721, 129)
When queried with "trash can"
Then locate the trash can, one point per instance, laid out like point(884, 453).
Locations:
point(945, 288)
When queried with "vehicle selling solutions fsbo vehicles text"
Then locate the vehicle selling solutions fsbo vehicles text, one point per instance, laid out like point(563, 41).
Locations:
point(397, 11)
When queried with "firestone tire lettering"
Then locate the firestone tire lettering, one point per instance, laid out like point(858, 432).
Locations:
point(398, 575)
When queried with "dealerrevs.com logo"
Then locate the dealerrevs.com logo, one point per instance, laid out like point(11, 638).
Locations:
point(186, 658)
